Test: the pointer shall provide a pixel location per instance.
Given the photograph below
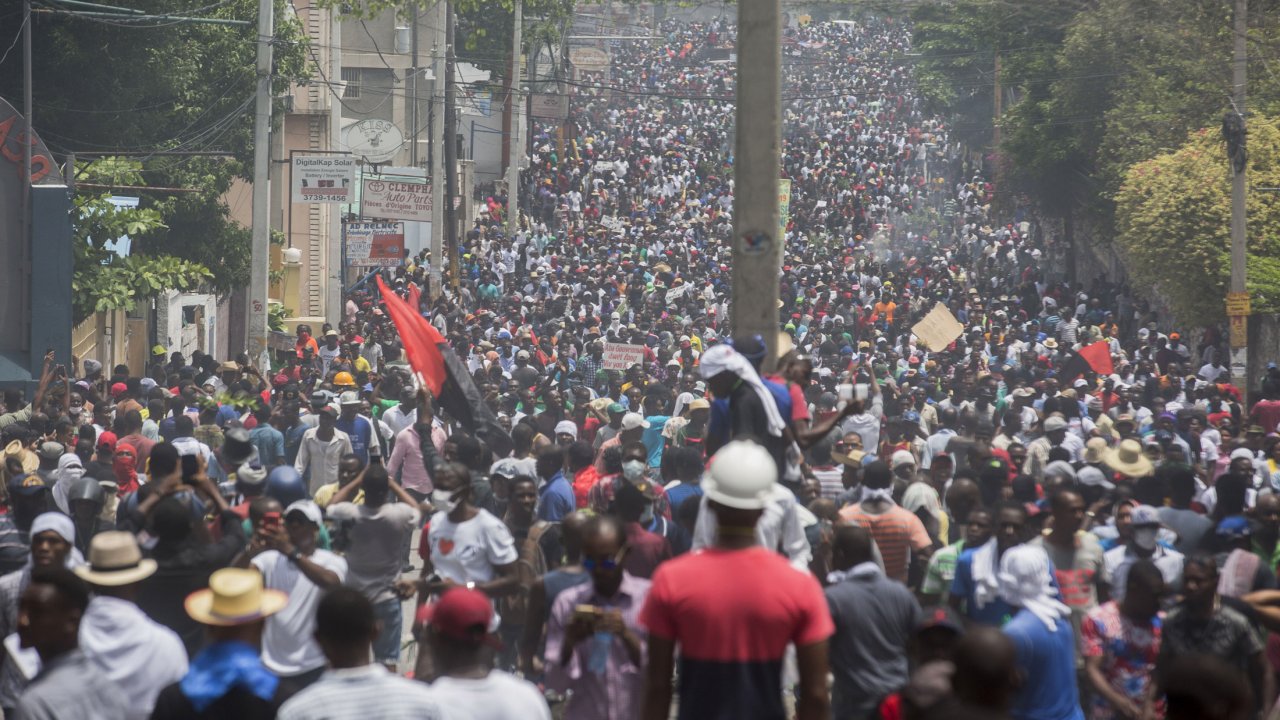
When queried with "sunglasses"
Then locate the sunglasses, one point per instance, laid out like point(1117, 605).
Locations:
point(610, 563)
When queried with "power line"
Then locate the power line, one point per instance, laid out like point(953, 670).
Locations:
point(16, 38)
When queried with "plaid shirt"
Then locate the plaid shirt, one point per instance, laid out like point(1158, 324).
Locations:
point(588, 369)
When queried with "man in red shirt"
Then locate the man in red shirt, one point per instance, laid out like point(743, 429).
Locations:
point(733, 609)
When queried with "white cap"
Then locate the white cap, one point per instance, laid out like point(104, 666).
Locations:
point(632, 420)
point(741, 476)
point(307, 508)
point(900, 458)
point(567, 427)
point(349, 397)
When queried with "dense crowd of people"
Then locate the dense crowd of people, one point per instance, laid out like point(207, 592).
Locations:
point(1067, 510)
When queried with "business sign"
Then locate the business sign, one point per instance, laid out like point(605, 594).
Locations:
point(374, 244)
point(549, 106)
point(396, 200)
point(323, 178)
point(1238, 303)
point(590, 59)
point(618, 356)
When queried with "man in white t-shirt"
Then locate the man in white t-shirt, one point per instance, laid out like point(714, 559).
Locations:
point(284, 549)
point(469, 546)
point(375, 533)
point(329, 351)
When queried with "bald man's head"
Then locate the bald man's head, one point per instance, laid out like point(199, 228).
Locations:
point(851, 546)
point(571, 528)
point(986, 669)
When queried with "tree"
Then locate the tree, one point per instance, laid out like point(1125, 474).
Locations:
point(103, 281)
point(102, 85)
point(1173, 216)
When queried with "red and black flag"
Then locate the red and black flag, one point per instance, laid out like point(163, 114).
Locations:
point(1095, 358)
point(440, 370)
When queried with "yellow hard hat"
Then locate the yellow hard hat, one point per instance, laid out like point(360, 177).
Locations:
point(344, 378)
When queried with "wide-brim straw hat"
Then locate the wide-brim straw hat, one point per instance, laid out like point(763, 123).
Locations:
point(115, 560)
point(234, 597)
point(1128, 459)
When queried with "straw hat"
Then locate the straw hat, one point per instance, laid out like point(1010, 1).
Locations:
point(114, 560)
point(234, 597)
point(1128, 459)
point(29, 460)
point(1095, 450)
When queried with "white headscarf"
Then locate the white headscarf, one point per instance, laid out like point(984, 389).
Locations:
point(722, 358)
point(1025, 582)
point(70, 469)
point(682, 400)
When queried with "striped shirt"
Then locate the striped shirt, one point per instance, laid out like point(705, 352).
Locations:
point(370, 691)
point(896, 532)
point(831, 480)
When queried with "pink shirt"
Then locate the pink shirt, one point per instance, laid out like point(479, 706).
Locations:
point(406, 459)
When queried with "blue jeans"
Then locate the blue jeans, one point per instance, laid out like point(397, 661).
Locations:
point(386, 649)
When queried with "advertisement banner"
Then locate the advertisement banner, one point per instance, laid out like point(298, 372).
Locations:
point(618, 356)
point(396, 200)
point(323, 178)
point(374, 244)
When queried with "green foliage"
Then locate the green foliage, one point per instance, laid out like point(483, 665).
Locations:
point(277, 313)
point(101, 87)
point(1173, 216)
point(101, 280)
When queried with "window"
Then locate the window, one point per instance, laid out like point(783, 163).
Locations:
point(351, 76)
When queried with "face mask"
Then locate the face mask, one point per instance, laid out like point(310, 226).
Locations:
point(633, 469)
point(444, 501)
point(1145, 538)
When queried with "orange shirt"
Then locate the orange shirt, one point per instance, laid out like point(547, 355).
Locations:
point(895, 532)
point(885, 310)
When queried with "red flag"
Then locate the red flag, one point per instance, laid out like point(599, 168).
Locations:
point(1098, 355)
point(421, 340)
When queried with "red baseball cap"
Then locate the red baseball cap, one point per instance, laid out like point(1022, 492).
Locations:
point(119, 389)
point(461, 614)
point(108, 440)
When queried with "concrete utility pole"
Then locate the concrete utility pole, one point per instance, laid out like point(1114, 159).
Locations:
point(1238, 297)
point(436, 268)
point(757, 242)
point(256, 346)
point(515, 146)
point(450, 148)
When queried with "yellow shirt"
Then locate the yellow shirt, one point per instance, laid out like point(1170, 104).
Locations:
point(324, 495)
point(360, 364)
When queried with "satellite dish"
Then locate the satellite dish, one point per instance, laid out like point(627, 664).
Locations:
point(376, 141)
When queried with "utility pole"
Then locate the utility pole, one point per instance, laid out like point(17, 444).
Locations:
point(256, 346)
point(415, 71)
point(436, 268)
point(515, 146)
point(450, 148)
point(1234, 129)
point(758, 240)
point(28, 141)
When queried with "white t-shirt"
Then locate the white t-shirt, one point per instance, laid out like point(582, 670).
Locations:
point(468, 551)
point(288, 645)
point(497, 696)
point(327, 356)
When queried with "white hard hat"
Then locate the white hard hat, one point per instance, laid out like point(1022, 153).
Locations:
point(741, 476)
